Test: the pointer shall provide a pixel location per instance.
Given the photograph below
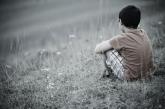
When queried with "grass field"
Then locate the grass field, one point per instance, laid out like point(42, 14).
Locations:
point(65, 73)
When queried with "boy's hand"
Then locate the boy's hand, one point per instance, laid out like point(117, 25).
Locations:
point(102, 47)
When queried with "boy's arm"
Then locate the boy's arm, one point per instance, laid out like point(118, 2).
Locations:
point(102, 47)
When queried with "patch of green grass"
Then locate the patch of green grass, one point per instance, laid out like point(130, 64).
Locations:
point(76, 85)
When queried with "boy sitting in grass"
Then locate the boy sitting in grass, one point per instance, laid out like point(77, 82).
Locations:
point(129, 54)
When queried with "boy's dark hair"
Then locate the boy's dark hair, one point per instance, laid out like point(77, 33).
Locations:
point(130, 16)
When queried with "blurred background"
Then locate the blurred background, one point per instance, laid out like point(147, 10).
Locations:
point(29, 24)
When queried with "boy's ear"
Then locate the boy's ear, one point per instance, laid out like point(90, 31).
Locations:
point(120, 22)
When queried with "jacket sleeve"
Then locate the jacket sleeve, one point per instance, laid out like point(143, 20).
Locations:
point(117, 42)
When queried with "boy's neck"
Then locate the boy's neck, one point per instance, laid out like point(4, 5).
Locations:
point(126, 29)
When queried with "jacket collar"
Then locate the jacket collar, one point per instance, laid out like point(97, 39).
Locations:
point(131, 30)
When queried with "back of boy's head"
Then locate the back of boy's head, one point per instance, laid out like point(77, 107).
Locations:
point(130, 16)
